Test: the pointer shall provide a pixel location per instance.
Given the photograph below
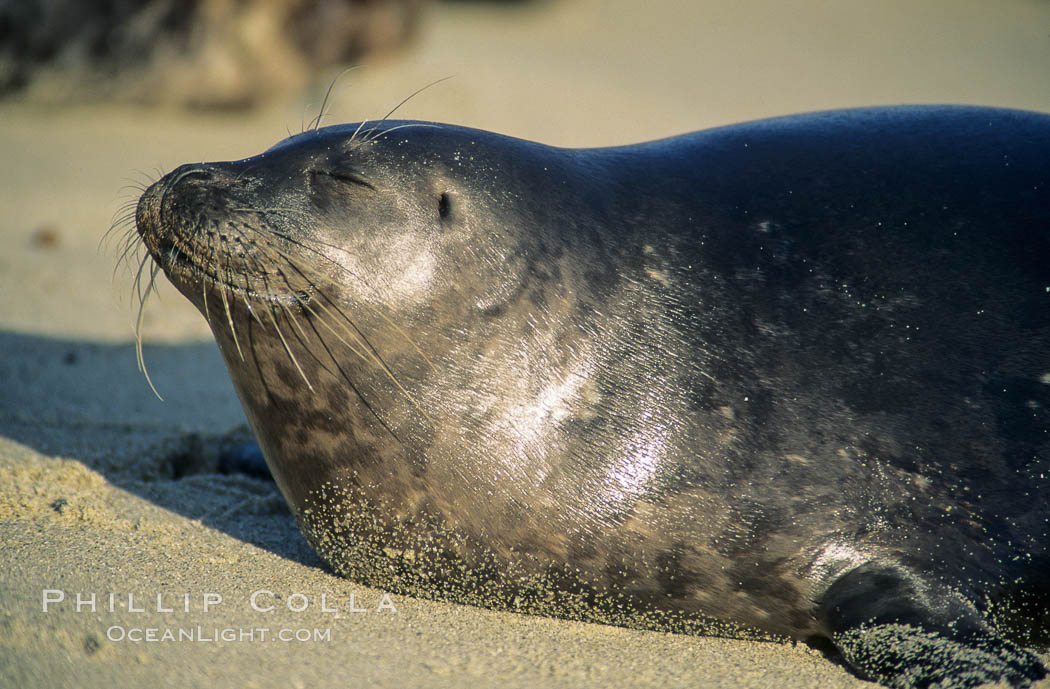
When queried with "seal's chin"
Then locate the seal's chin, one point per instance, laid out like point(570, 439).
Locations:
point(232, 282)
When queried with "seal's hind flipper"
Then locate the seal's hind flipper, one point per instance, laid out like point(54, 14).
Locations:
point(907, 656)
point(902, 631)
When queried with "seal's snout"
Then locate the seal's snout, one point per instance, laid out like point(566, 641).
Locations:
point(147, 211)
point(172, 206)
point(206, 230)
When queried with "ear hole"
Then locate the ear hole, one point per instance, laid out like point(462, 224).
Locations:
point(444, 206)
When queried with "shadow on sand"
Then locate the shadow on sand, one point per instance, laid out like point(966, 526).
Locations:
point(86, 401)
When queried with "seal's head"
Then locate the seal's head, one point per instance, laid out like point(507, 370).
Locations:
point(358, 212)
point(366, 285)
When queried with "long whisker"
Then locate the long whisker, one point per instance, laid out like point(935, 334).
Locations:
point(129, 248)
point(362, 347)
point(137, 285)
point(370, 350)
point(316, 122)
point(291, 316)
point(304, 305)
point(345, 270)
point(229, 321)
point(294, 213)
point(353, 137)
point(139, 357)
point(369, 138)
point(288, 350)
point(413, 95)
point(257, 265)
point(357, 349)
point(375, 126)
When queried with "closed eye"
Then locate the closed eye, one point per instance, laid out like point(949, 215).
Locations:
point(344, 176)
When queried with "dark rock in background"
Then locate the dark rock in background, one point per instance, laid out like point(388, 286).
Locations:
point(197, 53)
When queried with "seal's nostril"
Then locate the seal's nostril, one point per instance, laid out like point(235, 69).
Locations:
point(194, 170)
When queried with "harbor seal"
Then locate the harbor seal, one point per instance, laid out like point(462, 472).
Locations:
point(790, 376)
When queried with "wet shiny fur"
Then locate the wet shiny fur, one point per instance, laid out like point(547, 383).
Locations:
point(790, 376)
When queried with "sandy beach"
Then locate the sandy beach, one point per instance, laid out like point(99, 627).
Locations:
point(109, 538)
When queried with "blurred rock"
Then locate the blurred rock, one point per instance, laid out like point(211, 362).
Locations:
point(197, 53)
